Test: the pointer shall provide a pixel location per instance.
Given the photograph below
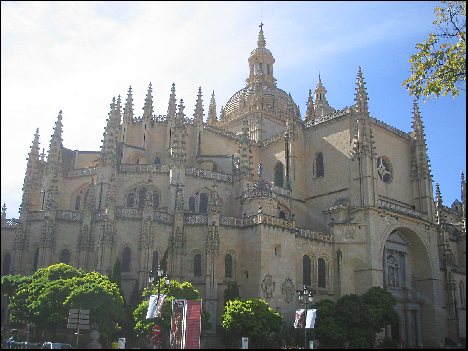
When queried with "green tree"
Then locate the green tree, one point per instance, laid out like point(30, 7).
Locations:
point(439, 65)
point(10, 285)
point(355, 319)
point(253, 318)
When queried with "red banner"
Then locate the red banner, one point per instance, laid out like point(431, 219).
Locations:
point(193, 325)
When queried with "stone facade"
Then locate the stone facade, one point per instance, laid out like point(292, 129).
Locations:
point(260, 196)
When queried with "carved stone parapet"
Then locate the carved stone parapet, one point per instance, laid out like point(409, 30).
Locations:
point(196, 219)
point(398, 208)
point(149, 168)
point(82, 172)
point(129, 213)
point(73, 216)
point(232, 221)
point(309, 234)
point(222, 177)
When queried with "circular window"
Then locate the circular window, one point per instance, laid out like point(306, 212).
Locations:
point(385, 170)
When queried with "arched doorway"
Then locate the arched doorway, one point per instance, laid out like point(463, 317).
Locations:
point(407, 275)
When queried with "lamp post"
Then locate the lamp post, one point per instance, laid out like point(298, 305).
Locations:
point(305, 297)
point(159, 274)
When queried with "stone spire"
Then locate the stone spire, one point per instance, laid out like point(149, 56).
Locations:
point(212, 118)
point(118, 118)
point(310, 113)
point(361, 94)
point(439, 206)
point(148, 107)
point(128, 109)
point(172, 107)
point(261, 43)
point(245, 166)
point(420, 162)
point(54, 169)
point(221, 114)
point(108, 148)
point(198, 114)
point(178, 143)
point(363, 137)
point(32, 176)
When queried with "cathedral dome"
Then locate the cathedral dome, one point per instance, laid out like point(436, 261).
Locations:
point(261, 93)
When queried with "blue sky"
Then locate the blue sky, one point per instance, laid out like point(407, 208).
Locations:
point(75, 56)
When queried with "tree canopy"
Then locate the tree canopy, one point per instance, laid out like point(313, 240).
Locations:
point(44, 299)
point(253, 318)
point(355, 319)
point(439, 65)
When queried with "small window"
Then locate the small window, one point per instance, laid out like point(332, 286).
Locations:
point(268, 69)
point(157, 161)
point(282, 215)
point(141, 197)
point(191, 204)
point(6, 264)
point(65, 256)
point(278, 250)
point(306, 270)
point(203, 208)
point(155, 261)
point(279, 176)
point(322, 281)
point(126, 256)
point(197, 265)
point(260, 68)
point(130, 199)
point(319, 171)
point(228, 266)
point(78, 203)
point(155, 199)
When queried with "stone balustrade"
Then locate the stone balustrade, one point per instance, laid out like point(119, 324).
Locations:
point(73, 216)
point(309, 234)
point(124, 212)
point(147, 168)
point(196, 219)
point(398, 208)
point(232, 221)
point(82, 172)
point(196, 172)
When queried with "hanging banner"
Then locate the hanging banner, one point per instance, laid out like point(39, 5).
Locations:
point(155, 306)
point(178, 324)
point(299, 321)
point(192, 324)
point(310, 319)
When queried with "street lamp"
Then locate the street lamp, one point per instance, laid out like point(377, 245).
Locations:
point(305, 297)
point(159, 274)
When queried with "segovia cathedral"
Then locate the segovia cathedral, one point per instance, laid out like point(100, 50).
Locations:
point(257, 196)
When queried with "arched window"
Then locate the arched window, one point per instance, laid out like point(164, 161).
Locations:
point(191, 204)
point(279, 177)
point(197, 265)
point(306, 270)
point(35, 260)
point(268, 69)
point(141, 197)
point(157, 160)
point(322, 276)
point(155, 199)
point(126, 256)
point(282, 215)
point(203, 207)
point(86, 197)
point(65, 256)
point(260, 68)
point(228, 266)
point(6, 264)
point(319, 171)
point(77, 203)
point(130, 199)
point(155, 261)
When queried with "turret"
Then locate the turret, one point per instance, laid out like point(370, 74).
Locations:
point(439, 206)
point(261, 62)
point(212, 118)
point(118, 118)
point(198, 113)
point(321, 106)
point(245, 166)
point(108, 148)
point(4, 219)
point(147, 115)
point(128, 109)
point(178, 144)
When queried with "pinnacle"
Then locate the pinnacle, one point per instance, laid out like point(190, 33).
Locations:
point(261, 43)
